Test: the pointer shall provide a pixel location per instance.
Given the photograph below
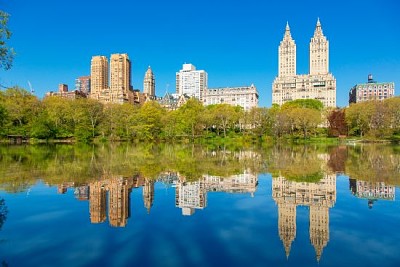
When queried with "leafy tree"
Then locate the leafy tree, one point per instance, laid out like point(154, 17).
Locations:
point(357, 117)
point(337, 122)
point(59, 111)
point(304, 103)
point(148, 124)
point(6, 53)
point(226, 116)
point(305, 119)
point(22, 107)
point(191, 117)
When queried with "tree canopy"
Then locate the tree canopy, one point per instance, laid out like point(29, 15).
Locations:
point(6, 53)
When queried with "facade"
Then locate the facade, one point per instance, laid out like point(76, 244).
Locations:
point(83, 84)
point(191, 82)
point(246, 96)
point(149, 84)
point(318, 84)
point(98, 75)
point(119, 90)
point(371, 90)
point(64, 93)
point(120, 78)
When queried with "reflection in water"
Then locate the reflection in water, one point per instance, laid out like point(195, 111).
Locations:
point(303, 176)
point(319, 197)
point(193, 195)
point(372, 190)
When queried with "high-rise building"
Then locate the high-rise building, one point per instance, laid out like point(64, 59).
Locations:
point(245, 96)
point(98, 75)
point(82, 84)
point(120, 78)
point(149, 84)
point(371, 90)
point(287, 55)
point(191, 82)
point(318, 84)
point(319, 52)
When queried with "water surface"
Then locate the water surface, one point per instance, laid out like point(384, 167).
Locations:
point(199, 206)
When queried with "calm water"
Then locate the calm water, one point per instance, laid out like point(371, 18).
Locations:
point(199, 206)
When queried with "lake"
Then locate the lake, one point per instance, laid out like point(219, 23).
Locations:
point(190, 205)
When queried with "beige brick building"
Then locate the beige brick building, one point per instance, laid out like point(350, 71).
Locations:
point(318, 84)
point(244, 96)
point(98, 74)
point(119, 90)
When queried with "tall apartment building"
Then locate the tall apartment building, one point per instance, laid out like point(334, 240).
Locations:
point(191, 82)
point(149, 84)
point(82, 84)
point(98, 75)
point(371, 90)
point(245, 96)
point(120, 78)
point(119, 90)
point(318, 84)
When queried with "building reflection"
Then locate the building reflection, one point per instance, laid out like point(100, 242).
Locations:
point(319, 197)
point(372, 191)
point(190, 196)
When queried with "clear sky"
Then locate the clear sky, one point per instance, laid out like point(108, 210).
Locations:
point(236, 42)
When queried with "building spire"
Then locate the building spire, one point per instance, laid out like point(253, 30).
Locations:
point(287, 35)
point(318, 29)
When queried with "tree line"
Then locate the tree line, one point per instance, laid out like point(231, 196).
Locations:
point(22, 113)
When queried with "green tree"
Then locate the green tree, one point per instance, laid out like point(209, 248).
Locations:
point(191, 117)
point(6, 53)
point(59, 111)
point(358, 116)
point(304, 103)
point(22, 107)
point(225, 117)
point(305, 119)
point(148, 123)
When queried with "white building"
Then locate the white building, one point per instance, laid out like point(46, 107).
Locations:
point(318, 84)
point(246, 96)
point(191, 82)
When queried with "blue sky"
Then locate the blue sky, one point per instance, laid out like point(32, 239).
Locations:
point(236, 42)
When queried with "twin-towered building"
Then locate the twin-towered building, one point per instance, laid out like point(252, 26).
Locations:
point(318, 84)
point(119, 89)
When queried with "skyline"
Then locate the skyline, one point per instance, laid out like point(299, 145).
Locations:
point(235, 43)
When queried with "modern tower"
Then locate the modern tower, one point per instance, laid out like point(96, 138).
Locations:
point(149, 84)
point(319, 52)
point(120, 78)
point(287, 54)
point(98, 75)
point(191, 82)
